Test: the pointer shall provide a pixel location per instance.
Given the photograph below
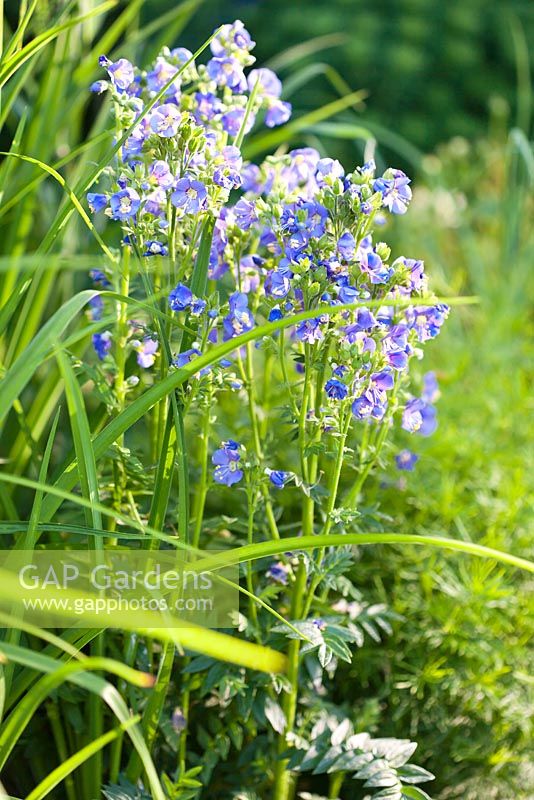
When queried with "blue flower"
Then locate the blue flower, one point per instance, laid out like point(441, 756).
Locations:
point(121, 72)
point(165, 120)
point(124, 204)
point(278, 477)
point(97, 202)
point(198, 306)
point(240, 319)
point(277, 113)
point(227, 177)
point(372, 265)
point(99, 278)
point(233, 119)
point(416, 272)
point(419, 417)
point(154, 248)
point(99, 87)
point(190, 195)
point(231, 38)
point(278, 572)
point(406, 460)
point(245, 214)
point(395, 190)
point(269, 84)
point(430, 391)
point(180, 298)
point(368, 169)
point(178, 721)
point(372, 403)
point(275, 314)
point(309, 331)
point(160, 75)
point(96, 308)
point(186, 357)
point(328, 169)
point(346, 246)
point(396, 348)
point(161, 174)
point(226, 460)
point(227, 72)
point(365, 320)
point(277, 284)
point(382, 380)
point(348, 294)
point(335, 389)
point(146, 351)
point(427, 320)
point(208, 105)
point(102, 344)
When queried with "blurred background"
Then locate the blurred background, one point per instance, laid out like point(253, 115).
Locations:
point(432, 68)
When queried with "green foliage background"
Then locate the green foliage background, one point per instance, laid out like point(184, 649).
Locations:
point(430, 66)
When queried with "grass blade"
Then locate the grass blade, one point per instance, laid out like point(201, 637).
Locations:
point(254, 551)
point(13, 63)
point(76, 203)
point(21, 371)
point(97, 685)
point(83, 445)
point(59, 774)
point(272, 139)
point(195, 638)
point(9, 308)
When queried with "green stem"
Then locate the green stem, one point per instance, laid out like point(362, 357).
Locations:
point(120, 382)
point(336, 782)
point(344, 424)
point(61, 746)
point(248, 380)
point(287, 382)
point(283, 779)
point(202, 491)
point(198, 514)
point(253, 612)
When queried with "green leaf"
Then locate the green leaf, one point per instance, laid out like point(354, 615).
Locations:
point(28, 543)
point(414, 793)
point(199, 278)
point(411, 773)
point(14, 62)
point(275, 715)
point(59, 774)
point(20, 372)
point(195, 638)
point(7, 310)
point(83, 445)
point(296, 543)
point(68, 191)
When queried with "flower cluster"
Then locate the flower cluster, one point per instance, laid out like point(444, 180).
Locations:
point(184, 120)
point(293, 234)
point(306, 227)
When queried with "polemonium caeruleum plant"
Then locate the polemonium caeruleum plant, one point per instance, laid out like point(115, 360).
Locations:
point(218, 248)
